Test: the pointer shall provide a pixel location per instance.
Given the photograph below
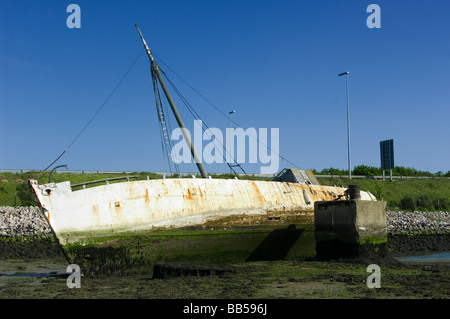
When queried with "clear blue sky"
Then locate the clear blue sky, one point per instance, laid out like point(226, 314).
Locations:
point(274, 62)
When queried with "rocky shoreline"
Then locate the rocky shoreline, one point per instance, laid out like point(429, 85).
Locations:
point(418, 222)
point(23, 222)
point(29, 222)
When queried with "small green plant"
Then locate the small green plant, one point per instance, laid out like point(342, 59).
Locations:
point(407, 203)
point(424, 202)
point(379, 191)
point(24, 194)
point(442, 204)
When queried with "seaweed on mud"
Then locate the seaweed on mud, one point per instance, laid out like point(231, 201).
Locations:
point(108, 260)
point(29, 248)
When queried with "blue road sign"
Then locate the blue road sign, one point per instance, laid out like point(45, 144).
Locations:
point(387, 154)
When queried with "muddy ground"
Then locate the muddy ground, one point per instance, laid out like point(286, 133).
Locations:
point(36, 270)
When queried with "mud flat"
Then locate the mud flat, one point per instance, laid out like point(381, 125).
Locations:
point(307, 279)
point(31, 265)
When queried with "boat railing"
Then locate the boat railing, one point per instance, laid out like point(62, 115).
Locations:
point(106, 180)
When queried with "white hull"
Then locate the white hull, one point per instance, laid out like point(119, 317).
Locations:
point(171, 203)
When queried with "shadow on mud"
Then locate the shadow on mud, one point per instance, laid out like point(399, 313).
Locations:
point(276, 245)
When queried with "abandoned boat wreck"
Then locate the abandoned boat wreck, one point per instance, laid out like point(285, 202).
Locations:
point(132, 206)
point(78, 215)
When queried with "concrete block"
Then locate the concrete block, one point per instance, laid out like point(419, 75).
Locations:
point(350, 228)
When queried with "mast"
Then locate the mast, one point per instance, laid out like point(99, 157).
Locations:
point(155, 69)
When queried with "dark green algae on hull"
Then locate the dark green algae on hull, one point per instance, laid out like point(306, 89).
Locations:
point(139, 251)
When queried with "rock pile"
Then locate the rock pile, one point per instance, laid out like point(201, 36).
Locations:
point(405, 222)
point(23, 222)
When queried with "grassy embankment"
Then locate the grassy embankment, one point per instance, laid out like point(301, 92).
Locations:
point(431, 194)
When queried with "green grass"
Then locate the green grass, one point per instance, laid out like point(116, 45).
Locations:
point(431, 194)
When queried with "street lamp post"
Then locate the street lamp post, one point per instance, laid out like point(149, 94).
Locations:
point(231, 143)
point(348, 127)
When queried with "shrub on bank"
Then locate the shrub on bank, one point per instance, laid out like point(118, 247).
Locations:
point(407, 203)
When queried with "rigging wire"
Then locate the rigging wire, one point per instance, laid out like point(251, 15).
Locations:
point(214, 106)
point(96, 113)
point(169, 143)
point(172, 154)
point(190, 108)
point(156, 91)
point(195, 115)
point(165, 126)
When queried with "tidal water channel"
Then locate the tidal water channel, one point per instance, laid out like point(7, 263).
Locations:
point(441, 258)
